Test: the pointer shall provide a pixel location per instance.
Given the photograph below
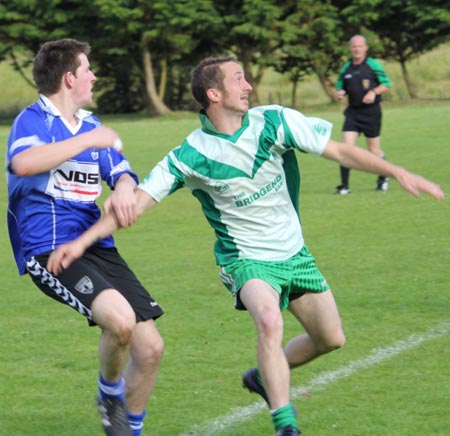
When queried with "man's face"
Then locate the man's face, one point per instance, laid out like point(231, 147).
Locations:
point(236, 88)
point(83, 80)
point(358, 48)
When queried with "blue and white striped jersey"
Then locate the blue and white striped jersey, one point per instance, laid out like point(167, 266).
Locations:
point(48, 209)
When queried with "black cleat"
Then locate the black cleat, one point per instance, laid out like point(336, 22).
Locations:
point(114, 417)
point(251, 382)
point(342, 190)
point(289, 430)
point(382, 184)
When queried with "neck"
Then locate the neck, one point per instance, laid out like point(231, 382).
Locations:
point(359, 60)
point(225, 122)
point(67, 110)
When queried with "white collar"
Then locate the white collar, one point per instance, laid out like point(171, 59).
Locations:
point(48, 106)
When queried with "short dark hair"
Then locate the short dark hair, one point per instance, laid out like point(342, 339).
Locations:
point(53, 60)
point(206, 75)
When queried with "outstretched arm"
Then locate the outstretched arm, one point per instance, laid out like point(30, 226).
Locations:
point(360, 159)
point(65, 254)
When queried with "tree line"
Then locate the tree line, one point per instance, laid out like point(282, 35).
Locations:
point(144, 50)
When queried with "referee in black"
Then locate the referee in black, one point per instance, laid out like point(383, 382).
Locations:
point(362, 79)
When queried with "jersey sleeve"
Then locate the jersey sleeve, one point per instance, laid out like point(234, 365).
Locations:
point(28, 130)
point(340, 79)
point(378, 69)
point(165, 178)
point(113, 165)
point(306, 134)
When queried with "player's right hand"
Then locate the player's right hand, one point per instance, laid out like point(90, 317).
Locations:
point(340, 94)
point(102, 137)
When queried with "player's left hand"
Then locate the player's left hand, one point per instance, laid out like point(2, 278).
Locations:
point(415, 184)
point(369, 97)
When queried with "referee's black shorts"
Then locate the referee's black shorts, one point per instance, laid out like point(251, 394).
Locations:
point(86, 277)
point(363, 119)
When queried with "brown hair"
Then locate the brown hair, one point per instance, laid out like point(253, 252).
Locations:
point(206, 75)
point(53, 60)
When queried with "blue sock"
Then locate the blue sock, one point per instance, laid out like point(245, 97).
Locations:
point(136, 423)
point(111, 389)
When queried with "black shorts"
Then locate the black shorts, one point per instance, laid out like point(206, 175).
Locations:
point(363, 119)
point(85, 278)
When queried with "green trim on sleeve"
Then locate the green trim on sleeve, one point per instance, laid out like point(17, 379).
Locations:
point(340, 80)
point(377, 67)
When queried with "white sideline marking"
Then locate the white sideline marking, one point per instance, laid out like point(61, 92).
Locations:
point(378, 355)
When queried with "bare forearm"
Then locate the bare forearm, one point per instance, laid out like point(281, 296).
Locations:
point(41, 158)
point(103, 228)
point(381, 89)
point(357, 158)
point(109, 223)
point(354, 157)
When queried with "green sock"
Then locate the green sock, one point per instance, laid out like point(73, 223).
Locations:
point(284, 416)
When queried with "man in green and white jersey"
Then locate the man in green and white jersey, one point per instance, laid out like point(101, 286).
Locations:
point(239, 165)
point(240, 182)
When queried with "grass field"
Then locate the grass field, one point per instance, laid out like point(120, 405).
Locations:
point(386, 256)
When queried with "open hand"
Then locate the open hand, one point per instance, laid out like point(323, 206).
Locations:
point(63, 256)
point(415, 184)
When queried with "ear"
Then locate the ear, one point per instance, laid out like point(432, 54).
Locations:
point(68, 79)
point(214, 95)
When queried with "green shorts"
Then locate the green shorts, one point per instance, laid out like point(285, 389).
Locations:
point(290, 278)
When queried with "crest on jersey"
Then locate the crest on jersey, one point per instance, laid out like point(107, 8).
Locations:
point(221, 187)
point(85, 286)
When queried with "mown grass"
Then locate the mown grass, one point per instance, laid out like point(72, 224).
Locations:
point(385, 255)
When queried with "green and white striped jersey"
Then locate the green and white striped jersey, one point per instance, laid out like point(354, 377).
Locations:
point(240, 180)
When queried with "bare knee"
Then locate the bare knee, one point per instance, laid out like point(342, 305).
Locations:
point(332, 342)
point(270, 327)
point(120, 329)
point(115, 316)
point(155, 348)
point(147, 345)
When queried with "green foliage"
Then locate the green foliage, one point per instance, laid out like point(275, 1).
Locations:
point(385, 255)
point(296, 38)
point(312, 41)
point(252, 36)
point(410, 28)
point(430, 76)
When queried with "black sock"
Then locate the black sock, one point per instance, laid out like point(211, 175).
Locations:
point(381, 178)
point(345, 176)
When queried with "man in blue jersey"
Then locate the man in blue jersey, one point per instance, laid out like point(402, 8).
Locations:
point(363, 80)
point(234, 165)
point(57, 158)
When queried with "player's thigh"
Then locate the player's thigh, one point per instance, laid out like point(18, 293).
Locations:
point(261, 300)
point(111, 311)
point(319, 315)
point(77, 286)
